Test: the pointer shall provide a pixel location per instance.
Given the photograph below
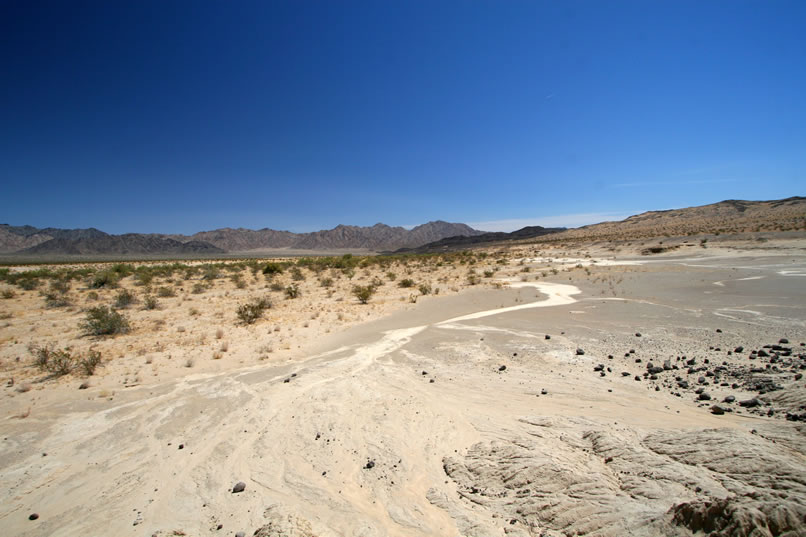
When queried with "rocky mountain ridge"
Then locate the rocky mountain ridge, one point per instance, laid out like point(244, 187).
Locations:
point(29, 240)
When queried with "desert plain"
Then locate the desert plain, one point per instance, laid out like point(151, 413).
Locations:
point(536, 389)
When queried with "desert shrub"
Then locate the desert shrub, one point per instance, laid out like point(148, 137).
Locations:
point(92, 295)
point(210, 272)
point(60, 286)
point(473, 279)
point(105, 278)
point(276, 286)
point(489, 273)
point(292, 291)
point(237, 279)
point(391, 276)
point(297, 275)
point(377, 282)
point(198, 288)
point(326, 282)
point(56, 300)
point(273, 268)
point(103, 321)
point(55, 361)
point(165, 292)
point(252, 311)
point(90, 362)
point(406, 283)
point(425, 288)
point(363, 292)
point(28, 284)
point(8, 293)
point(143, 277)
point(124, 299)
point(150, 302)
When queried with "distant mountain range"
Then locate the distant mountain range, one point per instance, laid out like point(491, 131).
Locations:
point(730, 216)
point(28, 240)
point(460, 242)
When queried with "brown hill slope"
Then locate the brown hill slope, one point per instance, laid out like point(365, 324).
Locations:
point(730, 216)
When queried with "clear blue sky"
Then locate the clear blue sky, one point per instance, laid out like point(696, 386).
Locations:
point(166, 116)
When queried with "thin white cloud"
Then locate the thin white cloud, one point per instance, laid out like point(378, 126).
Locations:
point(560, 220)
point(639, 184)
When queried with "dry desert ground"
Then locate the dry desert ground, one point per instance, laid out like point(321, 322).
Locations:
point(538, 389)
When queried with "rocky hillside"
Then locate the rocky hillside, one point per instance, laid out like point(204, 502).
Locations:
point(28, 240)
point(128, 244)
point(730, 216)
point(460, 242)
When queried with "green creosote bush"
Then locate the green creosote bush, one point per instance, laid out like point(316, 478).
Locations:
point(61, 362)
point(406, 283)
point(363, 292)
point(106, 278)
point(292, 291)
point(198, 288)
point(150, 302)
point(425, 289)
point(252, 311)
point(104, 321)
point(124, 299)
point(165, 292)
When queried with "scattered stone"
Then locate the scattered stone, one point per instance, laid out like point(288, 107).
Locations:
point(750, 403)
point(625, 373)
point(83, 385)
point(729, 399)
point(718, 410)
point(240, 486)
point(783, 341)
point(544, 392)
point(638, 334)
point(704, 397)
point(33, 516)
point(580, 352)
point(425, 373)
point(548, 336)
point(369, 465)
point(502, 368)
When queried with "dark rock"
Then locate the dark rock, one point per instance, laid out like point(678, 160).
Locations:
point(425, 373)
point(750, 403)
point(798, 376)
point(701, 380)
point(729, 399)
point(369, 465)
point(580, 352)
point(544, 392)
point(683, 384)
point(637, 378)
point(718, 410)
point(704, 397)
point(718, 330)
point(625, 373)
point(783, 341)
point(502, 368)
point(548, 336)
point(599, 367)
point(240, 534)
point(738, 349)
point(638, 334)
point(33, 516)
point(240, 486)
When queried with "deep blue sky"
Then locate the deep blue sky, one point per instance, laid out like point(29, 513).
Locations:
point(166, 116)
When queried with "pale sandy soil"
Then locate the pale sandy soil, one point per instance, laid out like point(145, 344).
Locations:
point(452, 416)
